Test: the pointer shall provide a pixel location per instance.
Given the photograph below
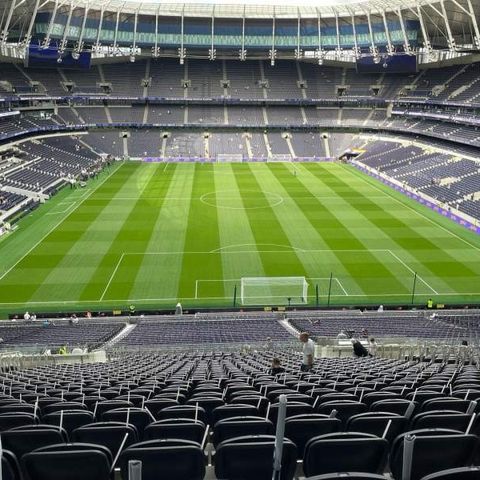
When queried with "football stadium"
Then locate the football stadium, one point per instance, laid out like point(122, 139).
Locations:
point(240, 240)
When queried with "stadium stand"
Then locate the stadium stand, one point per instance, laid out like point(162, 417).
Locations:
point(193, 397)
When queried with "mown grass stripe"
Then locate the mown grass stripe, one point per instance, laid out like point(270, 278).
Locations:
point(132, 236)
point(159, 275)
point(28, 276)
point(436, 261)
point(234, 228)
point(202, 235)
point(278, 255)
point(357, 222)
point(363, 268)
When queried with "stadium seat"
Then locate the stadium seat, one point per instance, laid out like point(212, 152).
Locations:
point(234, 410)
point(456, 449)
point(165, 460)
point(241, 426)
point(183, 411)
point(136, 416)
point(450, 419)
point(250, 457)
point(337, 452)
point(348, 476)
point(26, 439)
point(462, 473)
point(108, 434)
point(376, 423)
point(71, 419)
point(12, 420)
point(293, 408)
point(10, 467)
point(75, 461)
point(345, 409)
point(302, 428)
point(176, 428)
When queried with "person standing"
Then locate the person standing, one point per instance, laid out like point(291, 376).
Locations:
point(308, 352)
point(372, 347)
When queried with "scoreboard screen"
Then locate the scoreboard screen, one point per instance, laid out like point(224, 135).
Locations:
point(391, 64)
point(39, 56)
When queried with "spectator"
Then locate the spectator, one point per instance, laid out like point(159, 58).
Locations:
point(358, 349)
point(372, 347)
point(308, 352)
point(276, 367)
point(268, 344)
point(342, 335)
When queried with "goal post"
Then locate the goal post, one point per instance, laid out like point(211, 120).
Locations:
point(273, 290)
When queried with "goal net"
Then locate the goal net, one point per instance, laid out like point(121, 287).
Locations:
point(273, 290)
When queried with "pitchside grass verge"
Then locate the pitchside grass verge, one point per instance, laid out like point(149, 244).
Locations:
point(150, 235)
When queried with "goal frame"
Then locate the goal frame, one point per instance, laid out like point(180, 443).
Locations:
point(295, 298)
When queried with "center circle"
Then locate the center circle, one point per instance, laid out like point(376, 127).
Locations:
point(247, 200)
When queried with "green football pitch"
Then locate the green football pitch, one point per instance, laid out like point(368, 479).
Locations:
point(153, 234)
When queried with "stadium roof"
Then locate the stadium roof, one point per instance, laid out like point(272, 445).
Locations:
point(263, 8)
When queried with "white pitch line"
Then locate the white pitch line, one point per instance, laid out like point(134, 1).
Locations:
point(123, 300)
point(301, 250)
point(166, 166)
point(168, 197)
point(57, 225)
point(341, 286)
point(394, 255)
point(433, 222)
point(65, 210)
point(111, 276)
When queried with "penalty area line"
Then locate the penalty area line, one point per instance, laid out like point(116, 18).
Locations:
point(394, 255)
point(111, 276)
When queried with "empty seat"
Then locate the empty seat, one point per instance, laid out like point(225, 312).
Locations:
point(108, 434)
point(345, 409)
point(456, 450)
point(176, 428)
point(241, 426)
point(10, 466)
point(75, 461)
point(348, 476)
point(165, 460)
point(136, 416)
point(12, 420)
point(251, 457)
point(56, 407)
point(393, 405)
point(235, 410)
point(209, 404)
point(71, 419)
point(462, 473)
point(293, 408)
point(376, 424)
point(26, 439)
point(301, 428)
point(449, 419)
point(337, 452)
point(183, 411)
